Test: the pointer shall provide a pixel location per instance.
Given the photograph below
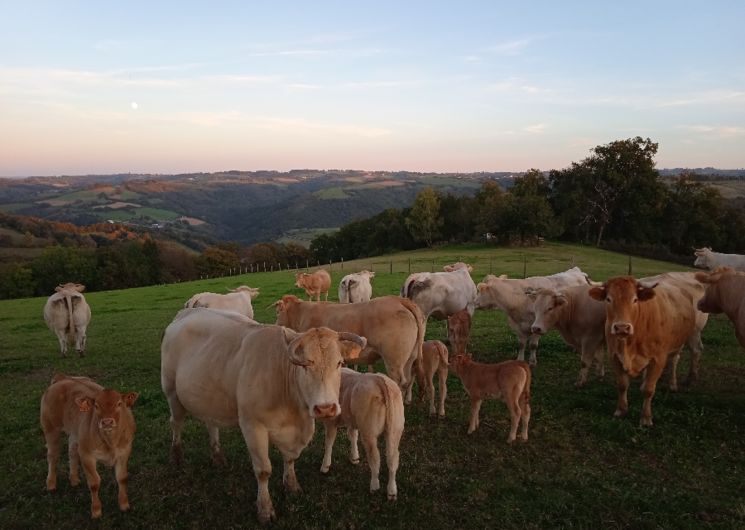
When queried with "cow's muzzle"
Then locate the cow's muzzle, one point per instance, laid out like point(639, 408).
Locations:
point(107, 424)
point(327, 410)
point(622, 329)
point(537, 330)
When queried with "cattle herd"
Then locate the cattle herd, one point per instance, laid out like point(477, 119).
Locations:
point(274, 380)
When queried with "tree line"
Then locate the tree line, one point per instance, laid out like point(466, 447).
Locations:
point(614, 198)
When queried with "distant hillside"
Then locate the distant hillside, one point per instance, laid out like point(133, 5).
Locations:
point(245, 207)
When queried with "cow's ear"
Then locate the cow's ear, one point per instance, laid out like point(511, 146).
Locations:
point(597, 293)
point(253, 292)
point(644, 292)
point(129, 398)
point(351, 345)
point(295, 349)
point(85, 404)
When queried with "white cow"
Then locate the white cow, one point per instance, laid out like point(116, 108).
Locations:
point(356, 287)
point(370, 405)
point(226, 370)
point(707, 259)
point(68, 314)
point(509, 296)
point(238, 300)
point(441, 294)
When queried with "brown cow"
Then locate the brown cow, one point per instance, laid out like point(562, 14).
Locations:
point(508, 381)
point(315, 284)
point(644, 324)
point(434, 359)
point(100, 426)
point(370, 405)
point(459, 330)
point(725, 293)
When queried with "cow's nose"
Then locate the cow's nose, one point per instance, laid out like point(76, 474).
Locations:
point(327, 410)
point(537, 330)
point(108, 423)
point(622, 328)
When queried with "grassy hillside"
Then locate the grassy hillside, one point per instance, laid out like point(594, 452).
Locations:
point(581, 468)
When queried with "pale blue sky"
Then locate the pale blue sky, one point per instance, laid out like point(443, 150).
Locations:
point(101, 87)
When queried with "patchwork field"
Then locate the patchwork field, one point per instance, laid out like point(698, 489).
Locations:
point(581, 467)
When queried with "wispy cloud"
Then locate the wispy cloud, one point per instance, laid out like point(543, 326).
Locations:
point(381, 83)
point(306, 127)
point(721, 131)
point(510, 48)
point(241, 78)
point(517, 85)
point(303, 86)
point(538, 128)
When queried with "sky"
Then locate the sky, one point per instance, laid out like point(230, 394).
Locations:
point(169, 87)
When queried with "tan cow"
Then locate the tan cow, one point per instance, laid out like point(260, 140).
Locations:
point(394, 328)
point(509, 296)
point(645, 323)
point(356, 287)
point(578, 318)
point(67, 314)
point(315, 284)
point(459, 331)
point(100, 426)
point(440, 294)
point(708, 259)
point(226, 370)
point(725, 293)
point(434, 359)
point(508, 381)
point(238, 300)
point(370, 405)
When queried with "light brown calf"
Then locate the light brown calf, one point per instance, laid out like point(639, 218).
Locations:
point(370, 404)
point(508, 381)
point(315, 284)
point(459, 330)
point(100, 426)
point(434, 359)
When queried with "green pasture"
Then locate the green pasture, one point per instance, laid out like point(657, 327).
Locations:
point(581, 467)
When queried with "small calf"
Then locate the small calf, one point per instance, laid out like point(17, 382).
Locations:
point(370, 404)
point(434, 359)
point(100, 426)
point(508, 381)
point(459, 331)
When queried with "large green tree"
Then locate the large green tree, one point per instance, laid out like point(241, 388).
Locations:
point(424, 219)
point(528, 213)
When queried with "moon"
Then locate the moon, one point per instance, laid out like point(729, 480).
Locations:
point(134, 105)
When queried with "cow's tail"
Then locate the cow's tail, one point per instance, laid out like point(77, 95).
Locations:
point(526, 389)
point(394, 415)
point(420, 325)
point(70, 320)
point(442, 352)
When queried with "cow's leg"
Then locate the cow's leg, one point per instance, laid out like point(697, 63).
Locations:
point(329, 431)
point(370, 443)
point(430, 386)
point(696, 347)
point(290, 452)
point(586, 360)
point(354, 450)
point(443, 373)
point(515, 413)
point(599, 361)
point(74, 456)
point(80, 340)
point(523, 344)
point(622, 384)
point(392, 441)
point(534, 349)
point(257, 441)
point(94, 483)
point(654, 370)
point(52, 438)
point(525, 417)
point(672, 363)
point(178, 415)
point(62, 338)
point(475, 407)
point(122, 476)
point(218, 457)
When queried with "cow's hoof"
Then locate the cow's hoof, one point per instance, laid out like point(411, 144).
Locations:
point(620, 413)
point(645, 422)
point(74, 482)
point(355, 461)
point(267, 516)
point(392, 496)
point(124, 507)
point(325, 469)
point(177, 454)
point(441, 415)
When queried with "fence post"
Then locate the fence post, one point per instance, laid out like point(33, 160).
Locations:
point(342, 263)
point(433, 265)
point(630, 265)
point(409, 265)
point(390, 268)
point(491, 262)
point(525, 266)
point(265, 266)
point(306, 265)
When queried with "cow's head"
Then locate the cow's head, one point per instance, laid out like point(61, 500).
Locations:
point(623, 296)
point(283, 307)
point(704, 258)
point(546, 307)
point(458, 363)
point(367, 273)
point(107, 407)
point(300, 279)
point(317, 356)
point(79, 287)
point(484, 291)
point(711, 302)
point(253, 292)
point(457, 266)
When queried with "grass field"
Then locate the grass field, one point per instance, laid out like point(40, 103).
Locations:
point(581, 467)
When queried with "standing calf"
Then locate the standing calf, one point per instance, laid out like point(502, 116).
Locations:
point(370, 404)
point(434, 359)
point(100, 426)
point(67, 314)
point(459, 330)
point(508, 381)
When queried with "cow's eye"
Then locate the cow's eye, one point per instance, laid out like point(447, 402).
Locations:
point(635, 300)
point(341, 363)
point(119, 404)
point(607, 299)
